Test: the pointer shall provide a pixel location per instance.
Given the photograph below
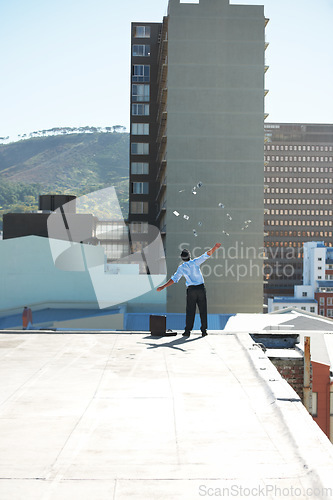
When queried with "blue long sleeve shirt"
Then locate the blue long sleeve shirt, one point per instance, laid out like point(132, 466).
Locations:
point(191, 271)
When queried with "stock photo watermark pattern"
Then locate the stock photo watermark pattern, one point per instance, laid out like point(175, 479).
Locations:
point(75, 247)
point(240, 262)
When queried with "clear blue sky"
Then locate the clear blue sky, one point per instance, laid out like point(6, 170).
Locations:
point(67, 62)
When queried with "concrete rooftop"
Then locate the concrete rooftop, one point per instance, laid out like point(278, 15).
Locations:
point(125, 415)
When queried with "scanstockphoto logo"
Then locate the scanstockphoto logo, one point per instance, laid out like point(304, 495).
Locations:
point(84, 231)
point(239, 262)
point(264, 491)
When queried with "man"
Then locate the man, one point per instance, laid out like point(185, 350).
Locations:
point(196, 292)
point(27, 318)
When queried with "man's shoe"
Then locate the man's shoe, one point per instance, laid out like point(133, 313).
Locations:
point(204, 334)
point(186, 334)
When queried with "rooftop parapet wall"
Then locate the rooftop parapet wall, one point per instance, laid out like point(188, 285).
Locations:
point(213, 8)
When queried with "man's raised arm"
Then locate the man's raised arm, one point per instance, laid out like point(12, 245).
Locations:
point(212, 250)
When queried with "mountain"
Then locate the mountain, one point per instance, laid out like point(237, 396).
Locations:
point(69, 161)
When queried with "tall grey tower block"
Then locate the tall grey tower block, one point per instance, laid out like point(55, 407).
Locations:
point(208, 148)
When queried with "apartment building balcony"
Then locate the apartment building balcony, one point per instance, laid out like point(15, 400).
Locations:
point(266, 68)
point(162, 121)
point(161, 211)
point(161, 148)
point(266, 92)
point(161, 188)
point(161, 169)
point(163, 46)
point(162, 111)
point(163, 35)
point(162, 96)
point(162, 77)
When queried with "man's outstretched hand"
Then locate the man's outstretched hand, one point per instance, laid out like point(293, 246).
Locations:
point(212, 250)
point(168, 283)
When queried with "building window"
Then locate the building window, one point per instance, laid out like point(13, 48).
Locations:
point(142, 31)
point(107, 230)
point(314, 411)
point(140, 187)
point(140, 109)
point(304, 294)
point(115, 250)
point(140, 148)
point(139, 168)
point(322, 301)
point(137, 246)
point(312, 309)
point(139, 227)
point(140, 93)
point(141, 50)
point(140, 128)
point(139, 207)
point(140, 73)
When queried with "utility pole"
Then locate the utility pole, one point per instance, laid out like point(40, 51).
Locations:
point(307, 376)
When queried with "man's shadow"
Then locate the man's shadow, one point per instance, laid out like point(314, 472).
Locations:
point(173, 344)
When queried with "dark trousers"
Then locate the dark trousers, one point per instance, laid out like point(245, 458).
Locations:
point(196, 295)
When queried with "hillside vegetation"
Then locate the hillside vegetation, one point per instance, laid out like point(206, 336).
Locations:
point(67, 163)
